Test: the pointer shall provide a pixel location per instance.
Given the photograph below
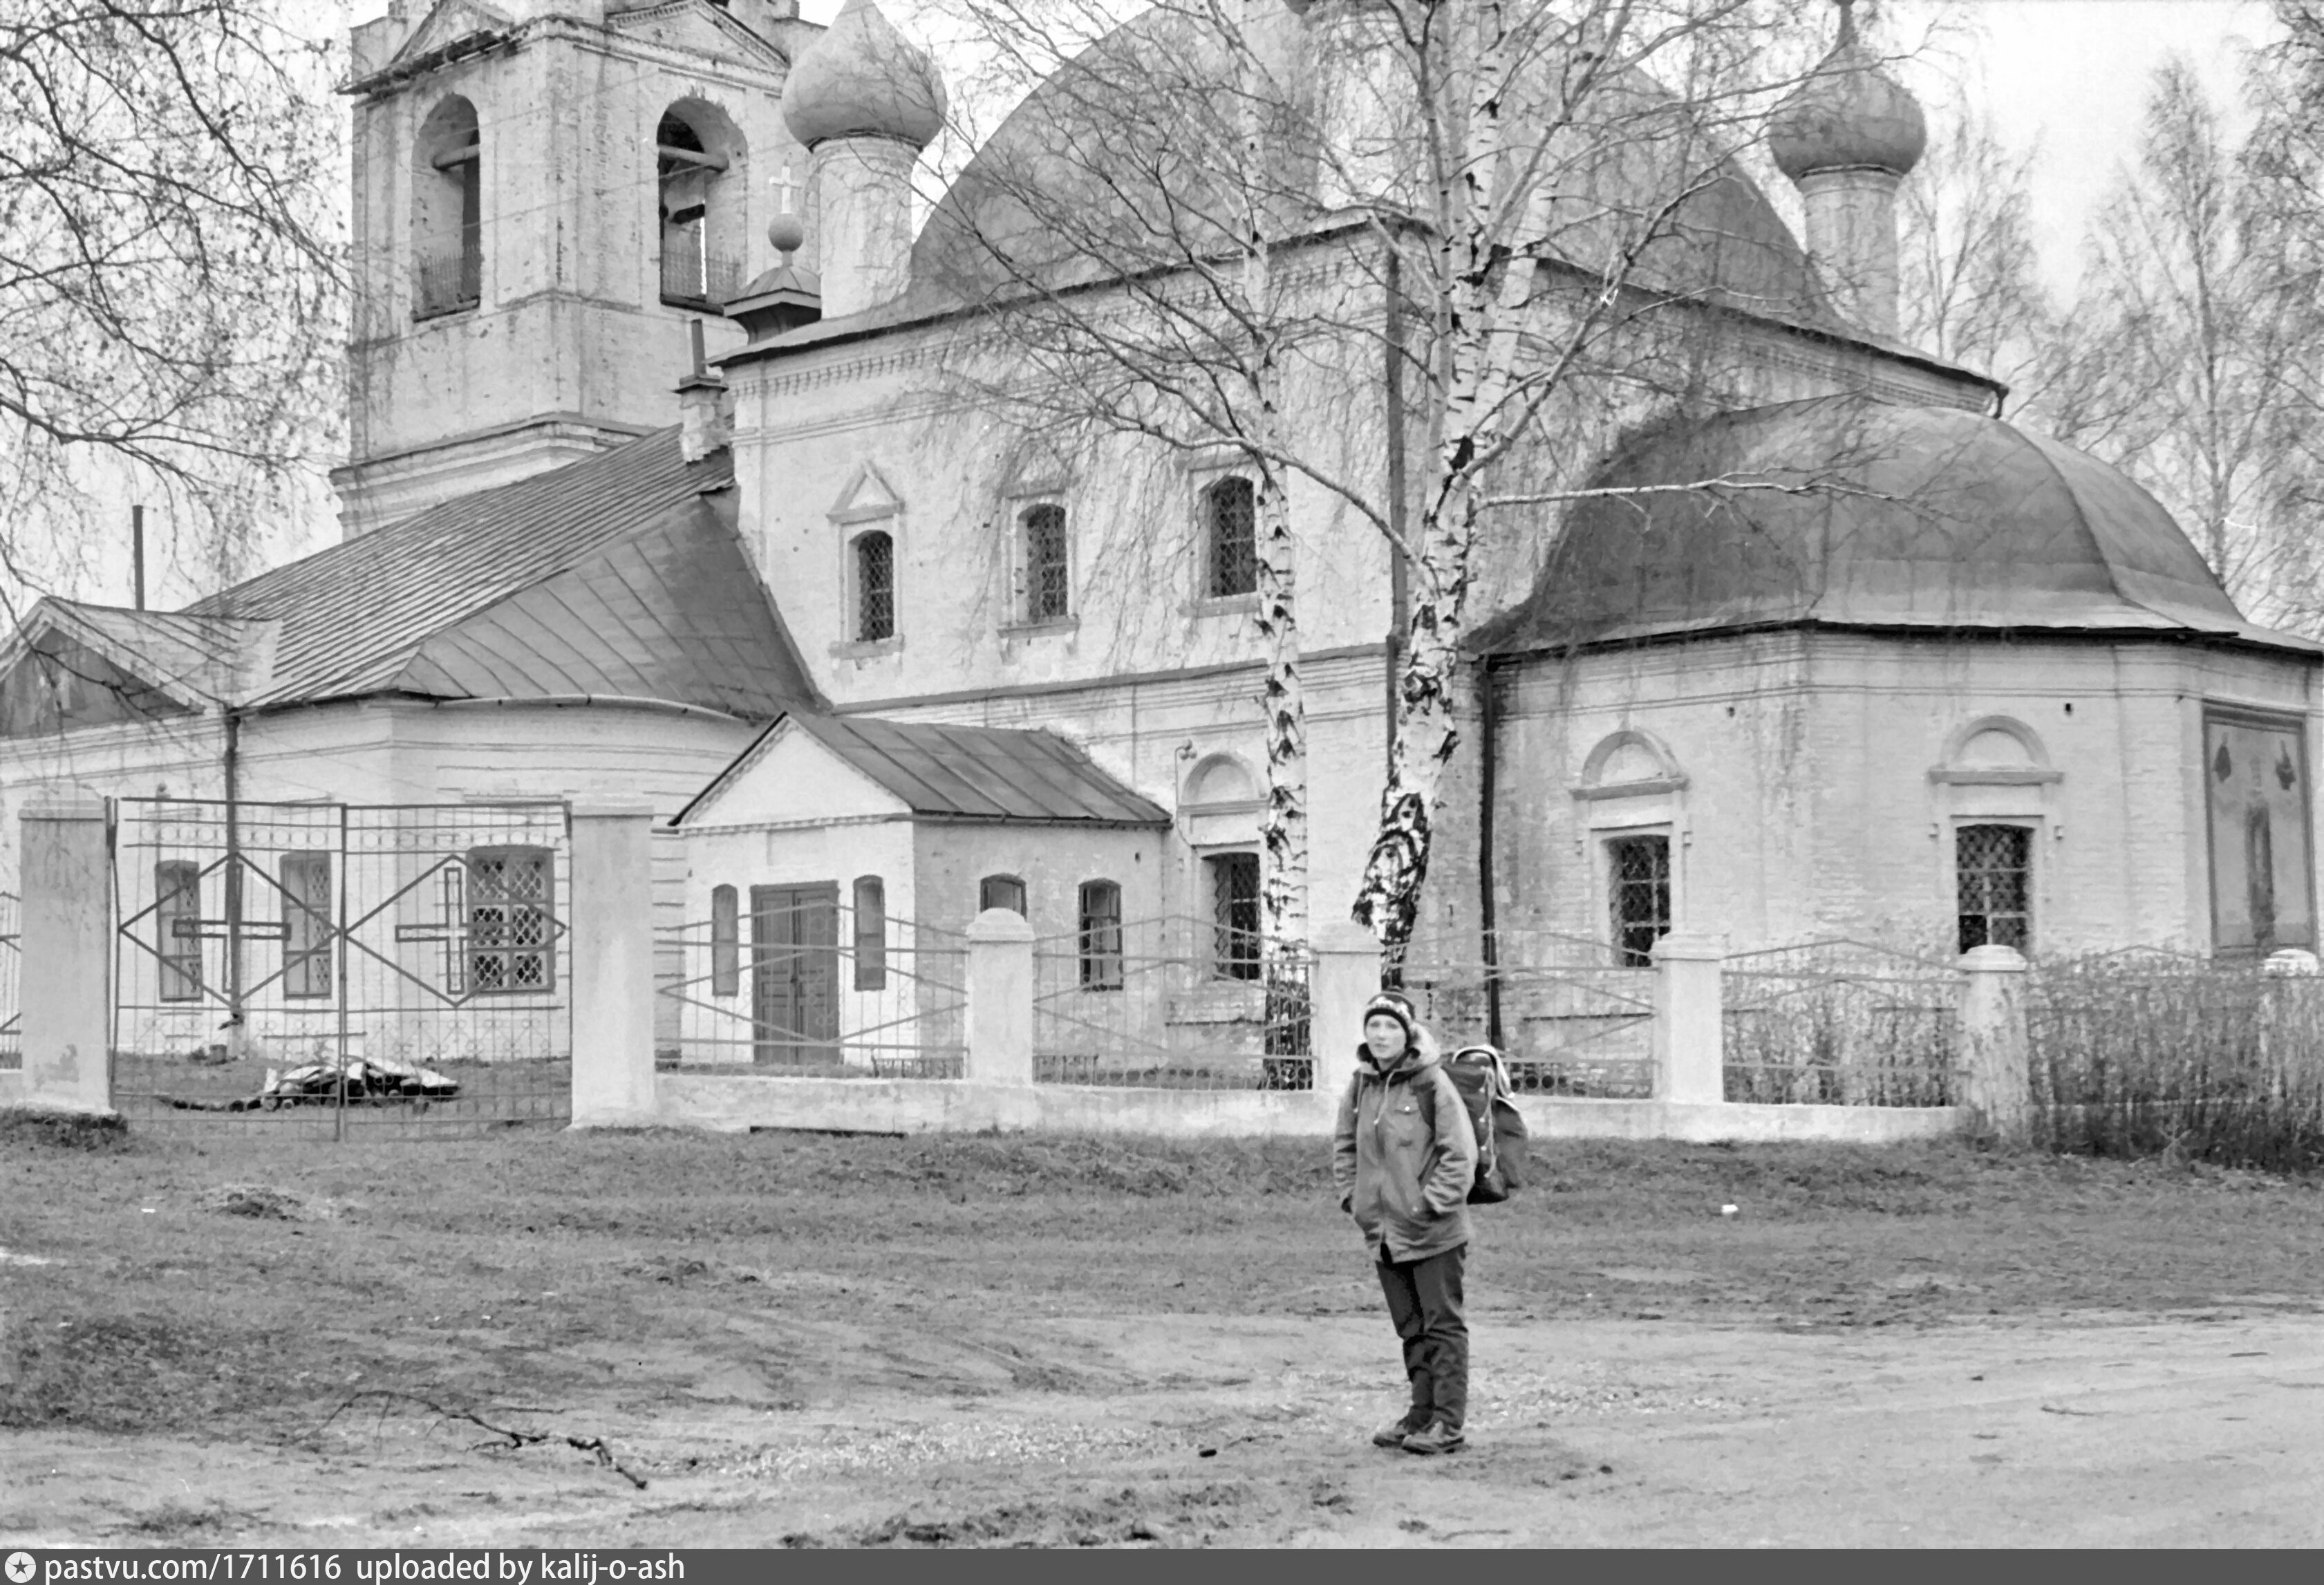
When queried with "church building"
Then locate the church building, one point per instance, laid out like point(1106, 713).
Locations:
point(1932, 679)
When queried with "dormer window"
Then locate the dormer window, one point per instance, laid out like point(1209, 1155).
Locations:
point(698, 155)
point(448, 230)
point(1230, 514)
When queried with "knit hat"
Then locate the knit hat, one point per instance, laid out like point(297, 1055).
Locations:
point(1395, 1005)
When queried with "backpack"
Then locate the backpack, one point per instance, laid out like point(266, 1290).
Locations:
point(1482, 1082)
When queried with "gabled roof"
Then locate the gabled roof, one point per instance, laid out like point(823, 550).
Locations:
point(976, 773)
point(191, 660)
point(620, 574)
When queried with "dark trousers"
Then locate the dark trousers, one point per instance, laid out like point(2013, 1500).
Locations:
point(1424, 1300)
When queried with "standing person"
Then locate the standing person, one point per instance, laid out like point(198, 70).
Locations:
point(1402, 1158)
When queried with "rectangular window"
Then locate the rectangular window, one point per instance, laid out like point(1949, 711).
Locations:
point(725, 942)
point(511, 921)
point(1234, 910)
point(875, 587)
point(1230, 524)
point(1637, 884)
point(177, 927)
point(1992, 879)
point(870, 932)
point(1047, 597)
point(308, 927)
point(1101, 936)
point(1001, 891)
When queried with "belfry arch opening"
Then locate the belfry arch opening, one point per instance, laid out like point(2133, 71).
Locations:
point(699, 163)
point(447, 221)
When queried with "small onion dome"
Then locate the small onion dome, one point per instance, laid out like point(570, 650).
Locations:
point(1849, 115)
point(863, 79)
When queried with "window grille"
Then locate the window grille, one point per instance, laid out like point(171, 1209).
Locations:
point(875, 587)
point(1993, 869)
point(1638, 883)
point(307, 925)
point(870, 933)
point(177, 927)
point(1001, 891)
point(1234, 906)
point(1230, 511)
point(1101, 936)
point(725, 942)
point(1046, 598)
point(509, 911)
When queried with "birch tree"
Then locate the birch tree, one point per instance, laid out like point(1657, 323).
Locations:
point(170, 296)
point(1238, 203)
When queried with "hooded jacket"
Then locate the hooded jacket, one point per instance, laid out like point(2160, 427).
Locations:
point(1403, 1173)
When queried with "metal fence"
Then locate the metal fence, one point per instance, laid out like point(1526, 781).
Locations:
point(1571, 1017)
point(337, 968)
point(814, 987)
point(1173, 1003)
point(1841, 1023)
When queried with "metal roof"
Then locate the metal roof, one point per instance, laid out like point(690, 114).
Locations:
point(966, 772)
point(1846, 512)
point(621, 574)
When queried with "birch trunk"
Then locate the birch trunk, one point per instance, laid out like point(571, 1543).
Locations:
point(1487, 267)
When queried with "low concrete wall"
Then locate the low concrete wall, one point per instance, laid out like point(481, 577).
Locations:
point(732, 1104)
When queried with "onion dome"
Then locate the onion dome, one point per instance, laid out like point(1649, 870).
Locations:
point(1849, 115)
point(862, 79)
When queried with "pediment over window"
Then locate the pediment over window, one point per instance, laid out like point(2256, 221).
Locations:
point(1629, 763)
point(1994, 750)
point(867, 496)
point(448, 24)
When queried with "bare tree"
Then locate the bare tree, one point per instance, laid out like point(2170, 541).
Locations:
point(1969, 288)
point(2188, 359)
point(170, 305)
point(1390, 253)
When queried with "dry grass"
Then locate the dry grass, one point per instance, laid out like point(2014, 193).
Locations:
point(623, 1272)
point(2151, 1054)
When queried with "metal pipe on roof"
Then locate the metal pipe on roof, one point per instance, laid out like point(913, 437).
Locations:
point(611, 701)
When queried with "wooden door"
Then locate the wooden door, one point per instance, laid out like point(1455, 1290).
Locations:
point(795, 972)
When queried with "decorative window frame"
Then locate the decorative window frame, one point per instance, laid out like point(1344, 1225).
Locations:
point(1015, 505)
point(1204, 469)
point(1653, 804)
point(1222, 823)
point(885, 515)
point(2025, 794)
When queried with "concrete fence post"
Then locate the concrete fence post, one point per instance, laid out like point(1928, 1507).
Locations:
point(2287, 991)
point(65, 986)
point(999, 998)
point(1994, 1056)
point(1690, 1019)
point(612, 990)
point(1346, 975)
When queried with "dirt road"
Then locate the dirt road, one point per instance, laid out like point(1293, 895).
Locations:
point(828, 1342)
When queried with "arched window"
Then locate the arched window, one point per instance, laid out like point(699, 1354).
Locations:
point(875, 587)
point(725, 942)
point(1230, 530)
point(699, 180)
point(871, 935)
point(1001, 891)
point(447, 221)
point(1047, 580)
point(1101, 936)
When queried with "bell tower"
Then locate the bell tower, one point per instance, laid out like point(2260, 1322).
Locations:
point(545, 192)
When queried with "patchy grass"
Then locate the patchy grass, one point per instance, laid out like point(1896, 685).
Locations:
point(193, 1286)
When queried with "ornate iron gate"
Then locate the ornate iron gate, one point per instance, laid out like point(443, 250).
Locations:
point(341, 968)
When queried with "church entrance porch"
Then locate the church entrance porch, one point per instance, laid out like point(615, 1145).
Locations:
point(340, 968)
